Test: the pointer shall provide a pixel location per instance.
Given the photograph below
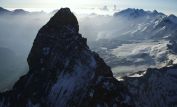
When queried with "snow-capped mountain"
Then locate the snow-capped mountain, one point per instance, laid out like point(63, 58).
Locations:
point(146, 41)
point(139, 40)
point(131, 13)
point(64, 72)
point(146, 24)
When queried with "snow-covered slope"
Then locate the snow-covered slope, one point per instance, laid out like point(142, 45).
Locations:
point(141, 39)
point(132, 13)
point(147, 52)
point(146, 24)
point(64, 72)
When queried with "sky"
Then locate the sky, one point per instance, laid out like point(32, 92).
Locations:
point(165, 6)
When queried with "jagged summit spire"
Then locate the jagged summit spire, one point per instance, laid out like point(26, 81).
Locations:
point(64, 17)
point(63, 72)
point(61, 32)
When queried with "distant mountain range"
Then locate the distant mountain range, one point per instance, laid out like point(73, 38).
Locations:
point(139, 38)
point(147, 24)
point(4, 11)
point(63, 71)
point(137, 13)
point(146, 31)
point(144, 39)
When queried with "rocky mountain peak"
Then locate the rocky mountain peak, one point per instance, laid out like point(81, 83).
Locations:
point(65, 18)
point(61, 33)
point(64, 72)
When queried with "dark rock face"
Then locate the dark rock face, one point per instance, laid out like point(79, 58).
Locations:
point(63, 72)
point(154, 87)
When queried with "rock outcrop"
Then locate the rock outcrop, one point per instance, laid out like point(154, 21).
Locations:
point(154, 87)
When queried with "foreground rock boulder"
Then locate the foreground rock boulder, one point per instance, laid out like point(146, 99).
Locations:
point(64, 72)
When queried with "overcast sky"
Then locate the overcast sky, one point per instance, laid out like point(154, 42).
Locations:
point(166, 6)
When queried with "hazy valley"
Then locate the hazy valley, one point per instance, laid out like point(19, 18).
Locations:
point(129, 41)
point(139, 46)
